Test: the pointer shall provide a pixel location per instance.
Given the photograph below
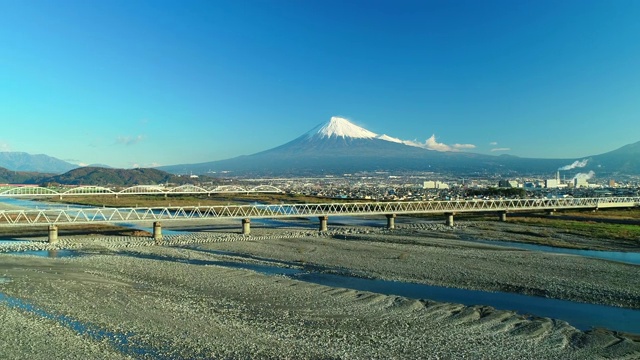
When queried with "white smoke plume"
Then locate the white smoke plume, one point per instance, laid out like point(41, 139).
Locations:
point(576, 164)
point(584, 176)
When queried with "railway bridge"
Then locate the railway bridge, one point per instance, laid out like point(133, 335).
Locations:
point(27, 191)
point(53, 217)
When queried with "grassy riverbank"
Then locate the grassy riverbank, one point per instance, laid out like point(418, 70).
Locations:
point(589, 227)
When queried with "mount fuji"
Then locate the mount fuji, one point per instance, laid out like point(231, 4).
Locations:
point(339, 146)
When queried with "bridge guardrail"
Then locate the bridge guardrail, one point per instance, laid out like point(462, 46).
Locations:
point(141, 214)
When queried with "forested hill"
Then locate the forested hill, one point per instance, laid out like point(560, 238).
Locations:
point(99, 176)
point(20, 177)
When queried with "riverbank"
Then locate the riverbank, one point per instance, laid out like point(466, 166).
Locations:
point(175, 310)
point(419, 257)
point(150, 300)
point(426, 253)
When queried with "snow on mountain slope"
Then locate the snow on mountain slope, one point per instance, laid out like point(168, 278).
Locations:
point(386, 137)
point(339, 146)
point(340, 127)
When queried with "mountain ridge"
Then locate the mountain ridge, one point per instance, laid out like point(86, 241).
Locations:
point(22, 161)
point(340, 146)
point(96, 176)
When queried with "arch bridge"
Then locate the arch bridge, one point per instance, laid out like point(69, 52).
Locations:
point(79, 215)
point(43, 192)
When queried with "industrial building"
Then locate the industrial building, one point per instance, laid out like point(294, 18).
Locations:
point(434, 185)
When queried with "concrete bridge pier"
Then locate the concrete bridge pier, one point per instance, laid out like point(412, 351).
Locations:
point(323, 222)
point(449, 219)
point(391, 221)
point(157, 231)
point(503, 216)
point(53, 234)
point(246, 226)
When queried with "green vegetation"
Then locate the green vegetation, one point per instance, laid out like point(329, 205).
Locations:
point(633, 213)
point(115, 177)
point(98, 176)
point(586, 228)
point(18, 177)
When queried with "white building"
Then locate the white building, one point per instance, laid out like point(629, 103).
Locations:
point(580, 182)
point(434, 185)
point(551, 183)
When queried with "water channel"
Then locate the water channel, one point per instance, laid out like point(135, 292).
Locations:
point(618, 256)
point(119, 340)
point(581, 315)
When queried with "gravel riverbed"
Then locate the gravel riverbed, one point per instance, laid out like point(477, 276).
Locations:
point(133, 298)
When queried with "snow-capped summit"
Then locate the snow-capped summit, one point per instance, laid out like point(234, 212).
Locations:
point(341, 127)
point(339, 146)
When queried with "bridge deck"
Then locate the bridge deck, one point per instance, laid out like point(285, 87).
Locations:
point(146, 214)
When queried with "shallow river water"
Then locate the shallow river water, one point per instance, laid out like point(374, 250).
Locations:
point(581, 315)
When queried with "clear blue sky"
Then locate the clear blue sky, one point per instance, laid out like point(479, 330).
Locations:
point(142, 83)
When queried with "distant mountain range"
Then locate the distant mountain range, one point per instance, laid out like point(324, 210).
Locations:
point(21, 161)
point(96, 176)
point(625, 160)
point(336, 147)
point(340, 146)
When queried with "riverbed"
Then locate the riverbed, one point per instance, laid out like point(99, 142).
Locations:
point(217, 294)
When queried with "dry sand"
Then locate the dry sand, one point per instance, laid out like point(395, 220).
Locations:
point(144, 300)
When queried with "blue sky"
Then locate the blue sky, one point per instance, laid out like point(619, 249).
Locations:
point(144, 83)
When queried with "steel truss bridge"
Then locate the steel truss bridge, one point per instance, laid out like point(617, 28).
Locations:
point(79, 215)
point(37, 191)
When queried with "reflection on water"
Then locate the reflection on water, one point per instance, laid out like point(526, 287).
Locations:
point(619, 256)
point(313, 222)
point(580, 315)
point(33, 204)
point(51, 253)
point(12, 241)
point(120, 341)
